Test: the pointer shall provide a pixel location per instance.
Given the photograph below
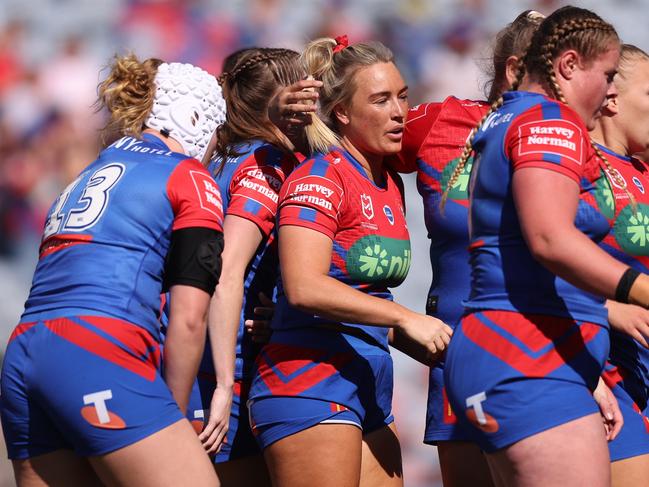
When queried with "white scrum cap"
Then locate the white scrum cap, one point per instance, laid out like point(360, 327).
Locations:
point(188, 105)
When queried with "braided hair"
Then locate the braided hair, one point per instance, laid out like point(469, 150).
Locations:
point(566, 28)
point(251, 77)
point(510, 41)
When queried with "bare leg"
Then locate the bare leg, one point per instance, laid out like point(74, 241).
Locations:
point(381, 458)
point(463, 465)
point(59, 468)
point(171, 457)
point(243, 471)
point(574, 454)
point(630, 471)
point(326, 455)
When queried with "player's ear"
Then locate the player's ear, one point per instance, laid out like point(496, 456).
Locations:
point(341, 114)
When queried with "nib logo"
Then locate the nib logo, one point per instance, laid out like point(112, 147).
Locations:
point(96, 412)
point(631, 230)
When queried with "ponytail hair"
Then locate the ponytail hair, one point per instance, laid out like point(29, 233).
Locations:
point(336, 64)
point(127, 93)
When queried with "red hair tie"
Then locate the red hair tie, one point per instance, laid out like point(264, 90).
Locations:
point(341, 43)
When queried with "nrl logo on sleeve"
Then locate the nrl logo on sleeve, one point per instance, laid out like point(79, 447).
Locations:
point(560, 138)
point(367, 207)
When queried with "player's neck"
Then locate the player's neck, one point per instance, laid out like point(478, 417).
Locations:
point(170, 142)
point(372, 163)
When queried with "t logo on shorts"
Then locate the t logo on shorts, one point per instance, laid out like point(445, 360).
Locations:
point(96, 412)
point(477, 415)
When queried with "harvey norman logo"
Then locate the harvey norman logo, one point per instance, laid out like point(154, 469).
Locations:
point(559, 137)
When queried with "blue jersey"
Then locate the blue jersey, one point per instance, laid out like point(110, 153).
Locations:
point(107, 235)
point(529, 130)
point(250, 185)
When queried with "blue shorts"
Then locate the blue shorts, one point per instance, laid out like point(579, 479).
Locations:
point(633, 439)
point(90, 384)
point(441, 422)
point(239, 441)
point(305, 377)
point(511, 375)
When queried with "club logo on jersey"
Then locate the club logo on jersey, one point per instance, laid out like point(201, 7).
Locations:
point(460, 189)
point(551, 137)
point(96, 412)
point(209, 195)
point(638, 184)
point(367, 207)
point(615, 177)
point(632, 230)
point(373, 258)
point(604, 196)
point(388, 214)
point(478, 416)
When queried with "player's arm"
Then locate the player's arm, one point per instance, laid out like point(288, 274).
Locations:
point(241, 239)
point(192, 270)
point(305, 257)
point(545, 187)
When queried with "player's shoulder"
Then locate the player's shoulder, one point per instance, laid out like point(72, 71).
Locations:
point(474, 108)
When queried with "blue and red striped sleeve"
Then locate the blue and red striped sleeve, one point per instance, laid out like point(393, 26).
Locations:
point(419, 121)
point(312, 197)
point(254, 192)
point(195, 197)
point(549, 136)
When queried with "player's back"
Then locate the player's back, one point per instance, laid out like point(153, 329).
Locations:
point(107, 235)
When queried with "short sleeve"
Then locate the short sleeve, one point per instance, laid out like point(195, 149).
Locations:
point(419, 122)
point(549, 136)
point(195, 197)
point(254, 193)
point(312, 197)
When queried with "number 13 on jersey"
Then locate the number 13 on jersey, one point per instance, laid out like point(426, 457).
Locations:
point(85, 211)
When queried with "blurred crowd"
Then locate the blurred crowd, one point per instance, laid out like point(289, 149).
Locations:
point(52, 53)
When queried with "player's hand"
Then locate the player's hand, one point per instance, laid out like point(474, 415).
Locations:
point(259, 328)
point(292, 105)
point(218, 422)
point(629, 319)
point(429, 332)
point(609, 410)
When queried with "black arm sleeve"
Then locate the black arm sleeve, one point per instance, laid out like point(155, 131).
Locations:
point(194, 259)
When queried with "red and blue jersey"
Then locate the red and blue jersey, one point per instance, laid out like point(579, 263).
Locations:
point(628, 241)
point(435, 134)
point(250, 185)
point(333, 195)
point(529, 130)
point(107, 235)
